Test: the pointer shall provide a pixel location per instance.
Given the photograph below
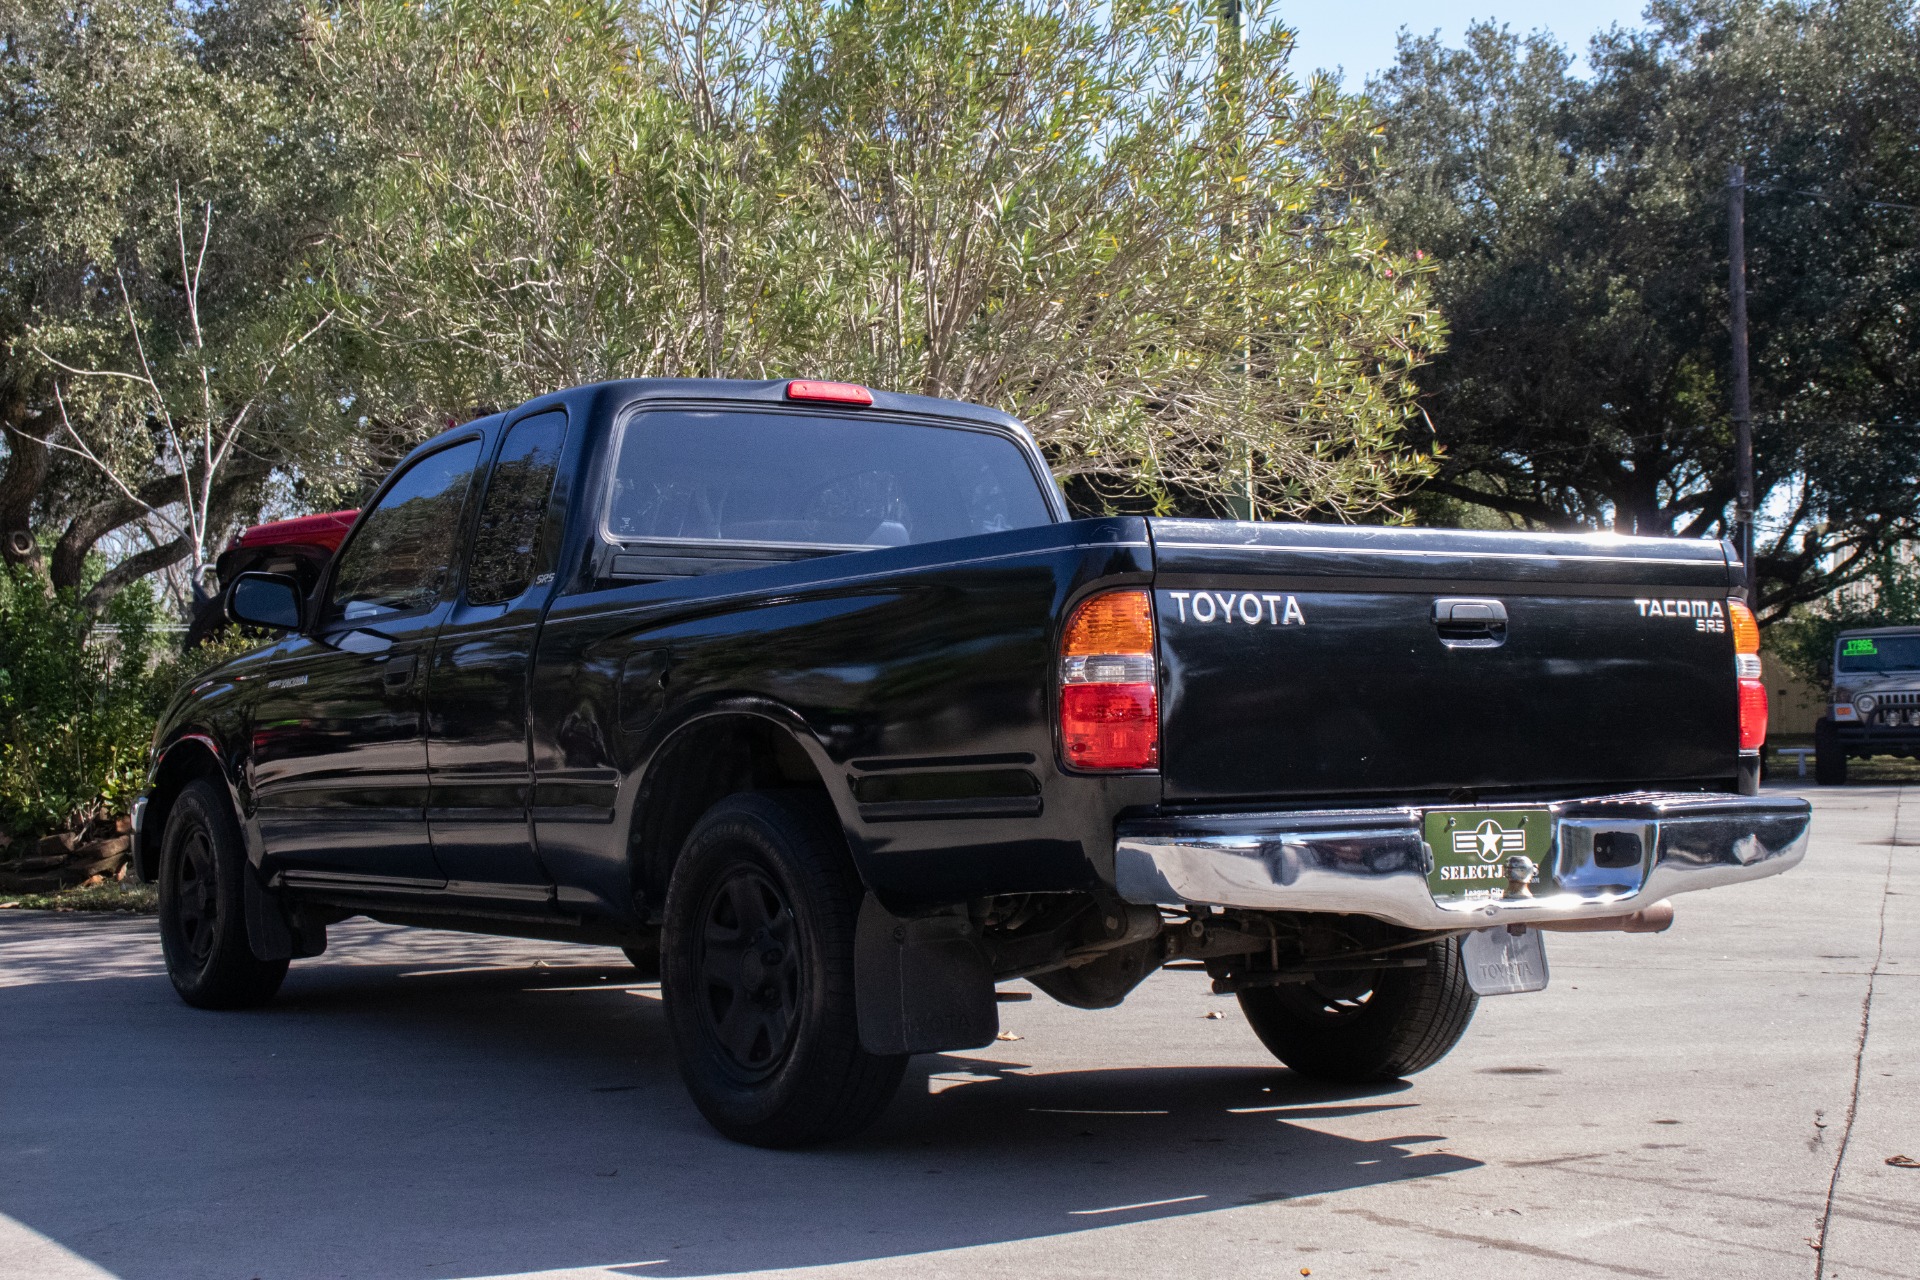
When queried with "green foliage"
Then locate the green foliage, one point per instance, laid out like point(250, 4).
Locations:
point(1889, 596)
point(1085, 213)
point(77, 703)
point(1581, 231)
point(129, 899)
point(260, 246)
point(79, 697)
point(166, 179)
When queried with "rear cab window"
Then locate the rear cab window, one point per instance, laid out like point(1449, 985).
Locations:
point(702, 491)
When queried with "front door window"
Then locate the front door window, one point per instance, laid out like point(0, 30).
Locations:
point(402, 552)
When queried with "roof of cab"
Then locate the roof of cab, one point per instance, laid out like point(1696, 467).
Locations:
point(774, 391)
point(743, 391)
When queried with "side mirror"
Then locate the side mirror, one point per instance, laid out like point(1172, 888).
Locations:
point(269, 600)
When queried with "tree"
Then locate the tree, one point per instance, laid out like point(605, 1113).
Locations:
point(1031, 203)
point(167, 189)
point(175, 436)
point(1887, 595)
point(1176, 296)
point(1580, 229)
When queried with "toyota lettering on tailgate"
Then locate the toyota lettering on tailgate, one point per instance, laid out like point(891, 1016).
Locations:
point(1252, 608)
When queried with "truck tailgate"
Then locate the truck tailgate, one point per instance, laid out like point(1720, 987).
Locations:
point(1313, 661)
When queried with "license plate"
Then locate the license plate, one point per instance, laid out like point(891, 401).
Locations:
point(1471, 848)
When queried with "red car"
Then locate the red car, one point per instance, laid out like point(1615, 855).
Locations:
point(299, 548)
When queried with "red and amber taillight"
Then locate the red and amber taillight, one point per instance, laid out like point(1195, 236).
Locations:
point(1746, 670)
point(1109, 705)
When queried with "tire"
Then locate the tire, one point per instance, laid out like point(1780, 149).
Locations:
point(1829, 758)
point(203, 918)
point(757, 975)
point(1360, 1027)
point(645, 962)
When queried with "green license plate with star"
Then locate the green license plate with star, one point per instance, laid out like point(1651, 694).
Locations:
point(1471, 848)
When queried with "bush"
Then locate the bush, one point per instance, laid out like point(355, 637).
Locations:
point(78, 701)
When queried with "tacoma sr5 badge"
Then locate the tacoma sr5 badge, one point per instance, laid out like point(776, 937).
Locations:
point(1707, 615)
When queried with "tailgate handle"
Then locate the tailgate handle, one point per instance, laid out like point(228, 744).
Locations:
point(1470, 623)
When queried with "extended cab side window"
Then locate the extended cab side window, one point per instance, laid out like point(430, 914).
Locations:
point(400, 556)
point(507, 550)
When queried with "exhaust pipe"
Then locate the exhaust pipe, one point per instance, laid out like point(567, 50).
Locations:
point(1654, 919)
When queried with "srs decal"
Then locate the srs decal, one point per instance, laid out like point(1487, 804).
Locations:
point(1253, 609)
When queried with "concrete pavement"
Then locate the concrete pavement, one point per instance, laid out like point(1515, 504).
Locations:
point(1716, 1101)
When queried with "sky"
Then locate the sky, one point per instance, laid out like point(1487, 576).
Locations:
point(1359, 35)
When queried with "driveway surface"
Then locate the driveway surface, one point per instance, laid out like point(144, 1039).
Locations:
point(1718, 1101)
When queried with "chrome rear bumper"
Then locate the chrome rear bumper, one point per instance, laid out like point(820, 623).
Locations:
point(1373, 862)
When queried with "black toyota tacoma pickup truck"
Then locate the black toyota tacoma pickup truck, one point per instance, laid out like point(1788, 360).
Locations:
point(816, 698)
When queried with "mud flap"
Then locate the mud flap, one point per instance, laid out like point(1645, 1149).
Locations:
point(921, 985)
point(273, 931)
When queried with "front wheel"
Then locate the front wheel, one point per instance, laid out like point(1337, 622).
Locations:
point(645, 960)
point(203, 921)
point(1367, 1025)
point(1829, 757)
point(757, 972)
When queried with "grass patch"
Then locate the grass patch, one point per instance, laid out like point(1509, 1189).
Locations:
point(123, 898)
point(1880, 769)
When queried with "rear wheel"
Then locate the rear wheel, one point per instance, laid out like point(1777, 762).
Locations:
point(1829, 757)
point(1367, 1025)
point(757, 973)
point(645, 961)
point(203, 923)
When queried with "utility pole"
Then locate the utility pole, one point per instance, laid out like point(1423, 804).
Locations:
point(1742, 403)
point(1230, 85)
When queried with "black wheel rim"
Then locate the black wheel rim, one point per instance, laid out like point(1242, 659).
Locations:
point(196, 904)
point(750, 975)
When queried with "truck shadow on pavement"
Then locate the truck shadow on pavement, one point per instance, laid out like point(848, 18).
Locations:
point(395, 1120)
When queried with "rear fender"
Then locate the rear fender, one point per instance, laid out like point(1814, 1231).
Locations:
point(921, 984)
point(691, 769)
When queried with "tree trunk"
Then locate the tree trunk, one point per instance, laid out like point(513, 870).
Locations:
point(134, 567)
point(26, 473)
point(92, 523)
point(224, 499)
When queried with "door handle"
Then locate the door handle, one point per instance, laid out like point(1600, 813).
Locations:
point(1470, 623)
point(399, 674)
